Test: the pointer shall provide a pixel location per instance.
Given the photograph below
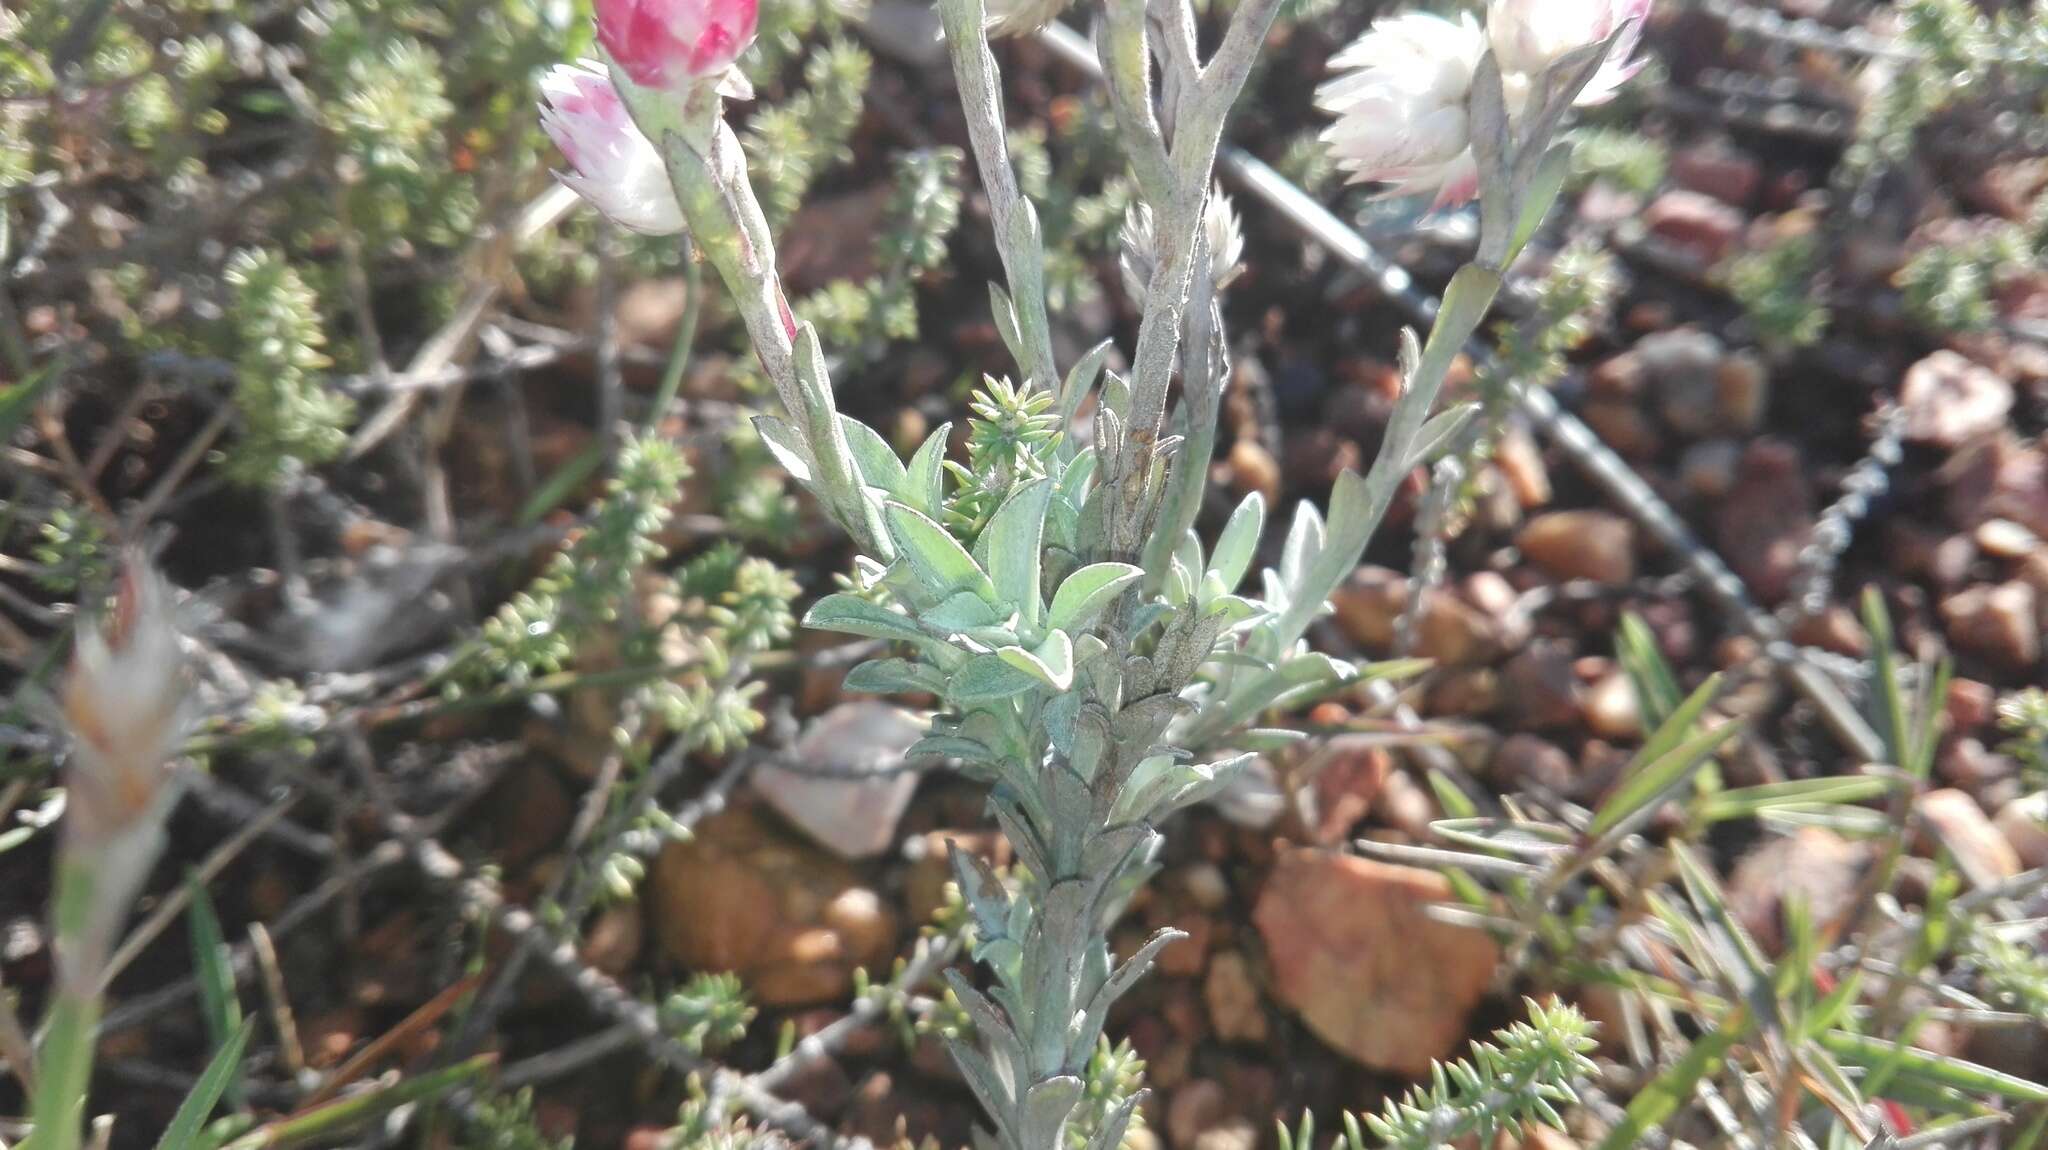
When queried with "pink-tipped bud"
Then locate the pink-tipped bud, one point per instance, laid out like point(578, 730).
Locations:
point(675, 43)
point(126, 701)
point(614, 165)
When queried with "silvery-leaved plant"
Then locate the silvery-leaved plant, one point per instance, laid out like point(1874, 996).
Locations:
point(1098, 665)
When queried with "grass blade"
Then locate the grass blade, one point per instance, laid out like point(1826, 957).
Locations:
point(224, 1070)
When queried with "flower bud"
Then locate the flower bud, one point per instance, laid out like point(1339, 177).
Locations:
point(616, 167)
point(675, 43)
point(1529, 36)
point(1221, 235)
point(1400, 106)
point(125, 700)
point(1022, 17)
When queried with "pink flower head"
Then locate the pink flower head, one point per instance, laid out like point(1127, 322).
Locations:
point(675, 43)
point(615, 166)
point(1399, 104)
point(1528, 36)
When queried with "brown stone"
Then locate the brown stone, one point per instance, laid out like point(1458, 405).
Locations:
point(2024, 823)
point(1995, 621)
point(1610, 707)
point(1351, 774)
point(1958, 825)
point(1540, 689)
point(1252, 469)
point(791, 919)
point(1521, 465)
point(1623, 426)
point(1596, 545)
point(1948, 400)
point(1697, 225)
point(1237, 1010)
point(1817, 866)
point(1356, 955)
point(1998, 477)
point(1524, 759)
point(1764, 521)
point(1716, 168)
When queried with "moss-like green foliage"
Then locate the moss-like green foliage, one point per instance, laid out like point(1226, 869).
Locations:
point(289, 416)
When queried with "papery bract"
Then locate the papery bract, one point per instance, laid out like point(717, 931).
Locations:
point(615, 166)
point(125, 700)
point(1400, 106)
point(1022, 17)
point(1528, 36)
point(675, 43)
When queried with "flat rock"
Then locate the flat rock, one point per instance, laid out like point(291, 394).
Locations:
point(1815, 865)
point(1585, 544)
point(1948, 400)
point(1698, 225)
point(2024, 823)
point(1354, 953)
point(1960, 826)
point(860, 746)
point(1996, 621)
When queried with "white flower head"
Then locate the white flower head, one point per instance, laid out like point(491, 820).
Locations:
point(614, 165)
point(1400, 106)
point(1022, 17)
point(1221, 235)
point(1529, 36)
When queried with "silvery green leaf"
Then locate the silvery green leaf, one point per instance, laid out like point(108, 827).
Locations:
point(1077, 475)
point(1084, 594)
point(988, 677)
point(836, 481)
point(1149, 613)
point(1133, 969)
point(995, 1030)
point(1140, 722)
point(938, 561)
point(1234, 609)
point(1304, 543)
point(1268, 738)
point(1239, 540)
point(1052, 663)
point(854, 615)
point(1262, 692)
point(1080, 379)
point(1042, 1118)
point(924, 484)
point(985, 1080)
point(895, 676)
point(1189, 552)
point(1539, 195)
point(1493, 153)
point(1058, 717)
point(1091, 739)
point(960, 611)
point(783, 442)
point(1009, 549)
point(943, 746)
point(876, 460)
point(1005, 315)
point(992, 637)
point(1179, 587)
point(1437, 434)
